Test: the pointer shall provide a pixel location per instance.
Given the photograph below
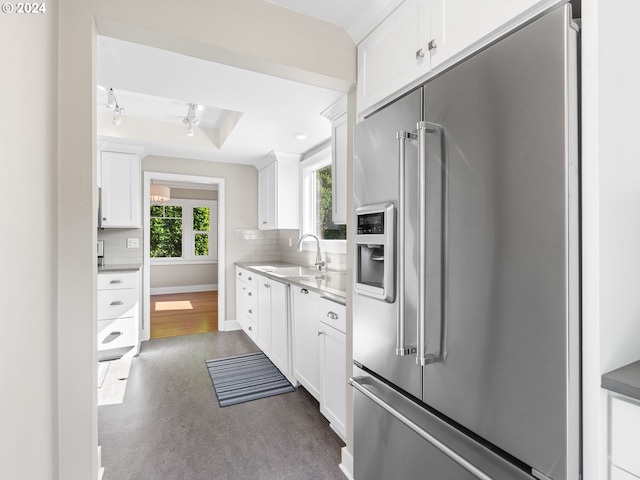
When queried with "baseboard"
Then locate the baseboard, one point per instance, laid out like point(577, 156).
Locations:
point(346, 465)
point(184, 289)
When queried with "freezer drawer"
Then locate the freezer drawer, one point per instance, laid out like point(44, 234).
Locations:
point(396, 438)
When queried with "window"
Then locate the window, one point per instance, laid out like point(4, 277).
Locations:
point(318, 202)
point(183, 231)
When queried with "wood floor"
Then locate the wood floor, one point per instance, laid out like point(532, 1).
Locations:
point(178, 314)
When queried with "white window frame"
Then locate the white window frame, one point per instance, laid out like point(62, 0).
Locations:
point(308, 166)
point(188, 234)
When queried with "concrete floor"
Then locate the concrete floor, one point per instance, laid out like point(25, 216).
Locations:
point(170, 426)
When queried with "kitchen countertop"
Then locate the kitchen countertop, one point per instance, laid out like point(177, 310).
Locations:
point(331, 284)
point(120, 267)
point(624, 380)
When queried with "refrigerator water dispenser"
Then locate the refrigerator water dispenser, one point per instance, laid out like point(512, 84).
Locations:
point(375, 251)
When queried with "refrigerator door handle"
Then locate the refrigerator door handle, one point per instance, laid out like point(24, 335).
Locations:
point(358, 383)
point(401, 348)
point(422, 357)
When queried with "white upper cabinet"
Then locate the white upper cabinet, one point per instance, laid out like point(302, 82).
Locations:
point(422, 37)
point(394, 54)
point(457, 25)
point(120, 192)
point(278, 192)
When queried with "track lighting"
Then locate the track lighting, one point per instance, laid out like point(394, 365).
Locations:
point(190, 120)
point(112, 102)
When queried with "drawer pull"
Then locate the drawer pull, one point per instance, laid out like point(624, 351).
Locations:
point(321, 333)
point(116, 303)
point(332, 315)
point(250, 311)
point(250, 278)
point(304, 291)
point(116, 281)
point(251, 329)
point(111, 337)
point(250, 294)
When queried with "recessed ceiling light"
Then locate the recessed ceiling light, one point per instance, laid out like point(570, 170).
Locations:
point(300, 136)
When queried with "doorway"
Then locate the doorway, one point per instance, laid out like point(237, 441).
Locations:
point(184, 310)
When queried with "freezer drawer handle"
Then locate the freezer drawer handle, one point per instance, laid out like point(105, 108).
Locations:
point(357, 383)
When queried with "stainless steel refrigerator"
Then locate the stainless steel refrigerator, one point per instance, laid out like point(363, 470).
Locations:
point(466, 312)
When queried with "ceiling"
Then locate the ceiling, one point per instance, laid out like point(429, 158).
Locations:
point(243, 116)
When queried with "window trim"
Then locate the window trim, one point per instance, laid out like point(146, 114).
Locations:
point(317, 160)
point(188, 233)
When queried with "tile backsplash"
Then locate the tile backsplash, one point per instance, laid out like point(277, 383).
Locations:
point(115, 245)
point(273, 245)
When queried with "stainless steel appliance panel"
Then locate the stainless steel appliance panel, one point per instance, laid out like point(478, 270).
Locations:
point(396, 438)
point(376, 181)
point(511, 197)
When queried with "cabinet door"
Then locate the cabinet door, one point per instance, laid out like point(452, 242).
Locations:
point(306, 346)
point(280, 326)
point(394, 54)
point(120, 193)
point(333, 352)
point(459, 24)
point(263, 337)
point(339, 169)
point(267, 197)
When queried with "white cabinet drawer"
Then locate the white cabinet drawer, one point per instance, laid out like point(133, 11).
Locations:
point(247, 277)
point(111, 281)
point(625, 435)
point(117, 333)
point(117, 303)
point(333, 314)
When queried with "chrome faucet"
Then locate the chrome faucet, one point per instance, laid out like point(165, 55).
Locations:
point(319, 263)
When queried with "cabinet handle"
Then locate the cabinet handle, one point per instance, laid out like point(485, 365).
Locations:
point(250, 294)
point(250, 329)
point(116, 303)
point(250, 311)
point(419, 53)
point(111, 337)
point(332, 315)
point(267, 285)
point(304, 291)
point(116, 281)
point(250, 278)
point(432, 45)
point(239, 274)
point(321, 333)
point(264, 222)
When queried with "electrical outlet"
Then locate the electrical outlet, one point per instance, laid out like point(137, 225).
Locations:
point(133, 243)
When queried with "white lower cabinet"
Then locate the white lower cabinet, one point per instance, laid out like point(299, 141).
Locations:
point(306, 351)
point(118, 314)
point(333, 368)
point(625, 438)
point(320, 353)
point(280, 327)
point(246, 301)
point(273, 322)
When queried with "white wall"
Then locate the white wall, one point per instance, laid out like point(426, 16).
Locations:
point(28, 143)
point(611, 200)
